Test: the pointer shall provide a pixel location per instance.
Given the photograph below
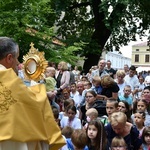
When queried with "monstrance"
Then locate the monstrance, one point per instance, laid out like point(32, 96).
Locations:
point(34, 64)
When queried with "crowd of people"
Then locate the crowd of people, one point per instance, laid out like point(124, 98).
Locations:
point(105, 109)
point(108, 108)
point(114, 102)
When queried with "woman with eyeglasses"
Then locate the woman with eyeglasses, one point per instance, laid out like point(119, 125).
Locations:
point(91, 102)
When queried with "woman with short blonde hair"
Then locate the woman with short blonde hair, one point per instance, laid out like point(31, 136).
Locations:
point(120, 73)
point(117, 118)
point(62, 76)
point(63, 66)
point(119, 126)
point(120, 81)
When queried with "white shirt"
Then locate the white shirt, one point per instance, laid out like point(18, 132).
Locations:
point(77, 98)
point(75, 124)
point(132, 81)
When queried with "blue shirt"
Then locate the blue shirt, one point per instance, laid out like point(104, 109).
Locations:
point(127, 99)
point(70, 145)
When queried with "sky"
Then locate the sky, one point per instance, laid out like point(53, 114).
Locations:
point(127, 50)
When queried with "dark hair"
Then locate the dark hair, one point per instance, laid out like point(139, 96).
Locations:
point(108, 61)
point(52, 64)
point(84, 77)
point(145, 132)
point(73, 108)
point(55, 112)
point(142, 113)
point(147, 88)
point(100, 140)
point(91, 92)
point(7, 46)
point(133, 68)
point(128, 112)
point(73, 83)
point(68, 103)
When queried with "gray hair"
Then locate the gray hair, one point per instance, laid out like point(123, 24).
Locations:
point(7, 46)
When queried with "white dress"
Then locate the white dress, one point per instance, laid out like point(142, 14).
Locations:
point(75, 124)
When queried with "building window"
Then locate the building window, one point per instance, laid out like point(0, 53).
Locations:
point(137, 50)
point(146, 58)
point(148, 50)
point(136, 58)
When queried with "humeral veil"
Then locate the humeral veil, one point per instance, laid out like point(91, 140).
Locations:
point(25, 113)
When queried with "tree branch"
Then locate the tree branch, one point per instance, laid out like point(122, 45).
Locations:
point(78, 5)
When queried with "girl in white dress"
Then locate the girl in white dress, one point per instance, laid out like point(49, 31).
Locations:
point(71, 119)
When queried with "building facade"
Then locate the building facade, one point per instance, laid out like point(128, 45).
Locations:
point(141, 55)
point(117, 60)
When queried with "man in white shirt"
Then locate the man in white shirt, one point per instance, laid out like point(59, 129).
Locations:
point(131, 79)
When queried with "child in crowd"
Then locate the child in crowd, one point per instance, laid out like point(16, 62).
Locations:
point(67, 132)
point(74, 93)
point(91, 114)
point(96, 86)
point(141, 105)
point(84, 78)
point(71, 120)
point(96, 135)
point(50, 84)
point(118, 143)
point(139, 118)
point(87, 87)
point(75, 139)
point(111, 106)
point(56, 115)
point(73, 90)
point(50, 81)
point(146, 138)
point(79, 139)
point(127, 95)
point(67, 103)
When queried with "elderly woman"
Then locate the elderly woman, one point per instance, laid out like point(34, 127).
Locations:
point(120, 81)
point(109, 88)
point(119, 126)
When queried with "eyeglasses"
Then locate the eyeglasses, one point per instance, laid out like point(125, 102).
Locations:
point(89, 96)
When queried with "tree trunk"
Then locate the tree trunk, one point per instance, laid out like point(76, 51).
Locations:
point(100, 35)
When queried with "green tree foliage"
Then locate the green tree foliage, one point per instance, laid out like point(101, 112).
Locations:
point(33, 21)
point(102, 24)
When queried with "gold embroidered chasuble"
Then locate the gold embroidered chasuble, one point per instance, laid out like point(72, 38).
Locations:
point(25, 113)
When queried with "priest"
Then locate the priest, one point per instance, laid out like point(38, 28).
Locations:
point(26, 118)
